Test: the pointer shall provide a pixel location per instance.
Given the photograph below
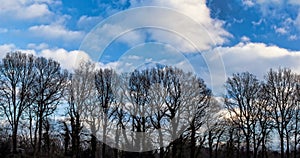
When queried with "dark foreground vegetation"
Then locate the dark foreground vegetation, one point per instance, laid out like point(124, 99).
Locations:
point(49, 112)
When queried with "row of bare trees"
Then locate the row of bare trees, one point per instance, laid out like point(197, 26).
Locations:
point(31, 89)
point(262, 110)
point(156, 112)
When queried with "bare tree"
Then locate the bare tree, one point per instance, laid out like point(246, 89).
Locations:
point(197, 96)
point(16, 81)
point(172, 84)
point(80, 97)
point(213, 124)
point(240, 101)
point(75, 121)
point(48, 90)
point(280, 87)
point(158, 110)
point(137, 102)
point(265, 126)
point(295, 124)
point(104, 85)
point(85, 101)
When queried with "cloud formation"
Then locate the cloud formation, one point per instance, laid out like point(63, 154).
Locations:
point(258, 58)
point(56, 31)
point(68, 59)
point(169, 27)
point(25, 9)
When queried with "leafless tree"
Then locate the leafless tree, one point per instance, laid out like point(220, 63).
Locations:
point(157, 111)
point(280, 87)
point(137, 101)
point(48, 91)
point(240, 101)
point(16, 81)
point(80, 96)
point(213, 125)
point(197, 96)
point(295, 124)
point(104, 81)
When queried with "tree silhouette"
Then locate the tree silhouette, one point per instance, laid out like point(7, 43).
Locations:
point(16, 81)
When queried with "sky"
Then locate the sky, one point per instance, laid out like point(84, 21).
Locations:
point(213, 38)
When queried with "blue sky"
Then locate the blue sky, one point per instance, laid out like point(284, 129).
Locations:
point(248, 35)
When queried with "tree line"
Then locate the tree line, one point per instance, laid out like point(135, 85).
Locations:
point(47, 111)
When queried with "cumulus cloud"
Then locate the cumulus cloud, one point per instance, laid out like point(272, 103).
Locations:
point(28, 9)
point(258, 58)
point(55, 31)
point(5, 48)
point(198, 11)
point(68, 59)
point(183, 22)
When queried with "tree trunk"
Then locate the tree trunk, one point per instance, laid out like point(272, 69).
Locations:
point(287, 145)
point(248, 146)
point(210, 144)
point(93, 145)
point(217, 145)
point(161, 149)
point(281, 145)
point(14, 138)
point(263, 146)
point(104, 133)
point(40, 132)
point(296, 140)
point(193, 142)
point(174, 148)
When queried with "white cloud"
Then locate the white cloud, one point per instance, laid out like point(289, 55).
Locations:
point(197, 11)
point(68, 60)
point(258, 58)
point(183, 23)
point(280, 30)
point(5, 48)
point(34, 11)
point(245, 39)
point(25, 9)
point(55, 32)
